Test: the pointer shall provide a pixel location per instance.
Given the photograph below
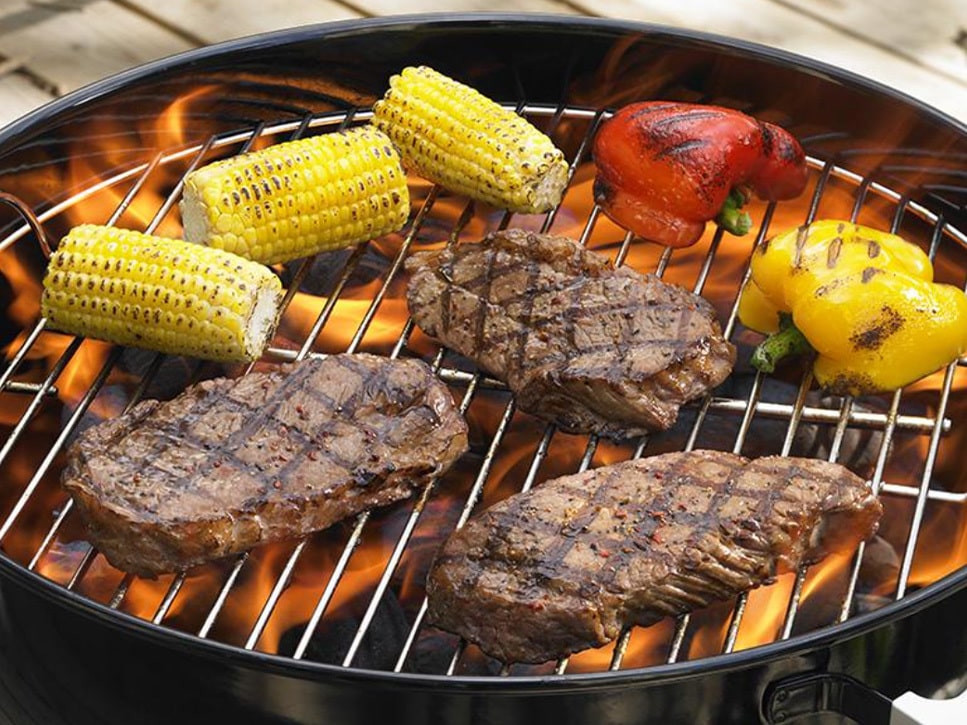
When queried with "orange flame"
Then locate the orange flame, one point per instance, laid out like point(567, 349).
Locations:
point(943, 543)
point(84, 170)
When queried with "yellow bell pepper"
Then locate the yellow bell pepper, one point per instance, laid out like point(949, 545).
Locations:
point(862, 299)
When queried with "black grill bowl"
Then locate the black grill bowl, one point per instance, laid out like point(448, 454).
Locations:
point(66, 659)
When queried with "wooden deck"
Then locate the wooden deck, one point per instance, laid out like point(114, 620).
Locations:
point(50, 47)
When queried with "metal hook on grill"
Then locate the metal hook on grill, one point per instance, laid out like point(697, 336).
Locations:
point(28, 214)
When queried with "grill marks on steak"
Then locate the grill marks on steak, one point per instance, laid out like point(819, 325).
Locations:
point(234, 463)
point(590, 347)
point(569, 564)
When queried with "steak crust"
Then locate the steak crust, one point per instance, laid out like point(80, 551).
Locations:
point(587, 346)
point(569, 564)
point(233, 463)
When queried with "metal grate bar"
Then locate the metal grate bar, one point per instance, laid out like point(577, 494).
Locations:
point(95, 388)
point(292, 290)
point(5, 382)
point(509, 410)
point(933, 447)
point(28, 415)
point(794, 422)
point(223, 593)
point(121, 591)
point(826, 416)
point(798, 412)
point(795, 596)
point(878, 486)
point(282, 581)
point(156, 359)
point(908, 554)
point(683, 620)
point(55, 448)
point(30, 389)
point(334, 579)
point(846, 407)
point(860, 419)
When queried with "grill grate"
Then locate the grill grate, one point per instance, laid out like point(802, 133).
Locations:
point(844, 414)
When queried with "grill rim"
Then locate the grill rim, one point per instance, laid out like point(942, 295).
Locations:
point(855, 626)
point(562, 23)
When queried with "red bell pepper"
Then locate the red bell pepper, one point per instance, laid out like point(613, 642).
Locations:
point(664, 169)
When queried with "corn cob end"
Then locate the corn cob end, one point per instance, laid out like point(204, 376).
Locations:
point(198, 228)
point(260, 324)
point(548, 188)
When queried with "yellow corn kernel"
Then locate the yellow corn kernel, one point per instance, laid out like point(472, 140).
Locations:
point(161, 294)
point(453, 135)
point(298, 198)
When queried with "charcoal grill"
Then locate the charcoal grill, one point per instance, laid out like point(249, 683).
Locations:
point(83, 643)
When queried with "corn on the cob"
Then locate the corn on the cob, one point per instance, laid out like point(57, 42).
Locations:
point(298, 198)
point(161, 294)
point(453, 135)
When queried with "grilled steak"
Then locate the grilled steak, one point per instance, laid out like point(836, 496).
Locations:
point(570, 563)
point(587, 346)
point(230, 464)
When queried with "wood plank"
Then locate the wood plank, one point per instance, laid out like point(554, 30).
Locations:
point(924, 32)
point(71, 42)
point(71, 49)
point(390, 7)
point(213, 21)
point(773, 24)
point(19, 14)
point(18, 95)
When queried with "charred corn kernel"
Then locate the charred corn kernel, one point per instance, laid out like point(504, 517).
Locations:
point(298, 198)
point(453, 135)
point(863, 300)
point(161, 294)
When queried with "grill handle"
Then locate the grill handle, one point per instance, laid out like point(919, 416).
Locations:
point(819, 692)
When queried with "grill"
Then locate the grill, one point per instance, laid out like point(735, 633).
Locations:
point(310, 625)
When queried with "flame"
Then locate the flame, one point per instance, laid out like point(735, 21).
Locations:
point(86, 169)
point(764, 611)
point(646, 647)
point(343, 322)
point(24, 304)
point(943, 542)
point(942, 545)
point(767, 607)
point(300, 597)
point(60, 563)
point(79, 375)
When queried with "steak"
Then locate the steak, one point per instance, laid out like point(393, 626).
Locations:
point(233, 463)
point(569, 564)
point(589, 347)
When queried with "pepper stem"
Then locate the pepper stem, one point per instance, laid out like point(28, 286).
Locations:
point(731, 217)
point(788, 341)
